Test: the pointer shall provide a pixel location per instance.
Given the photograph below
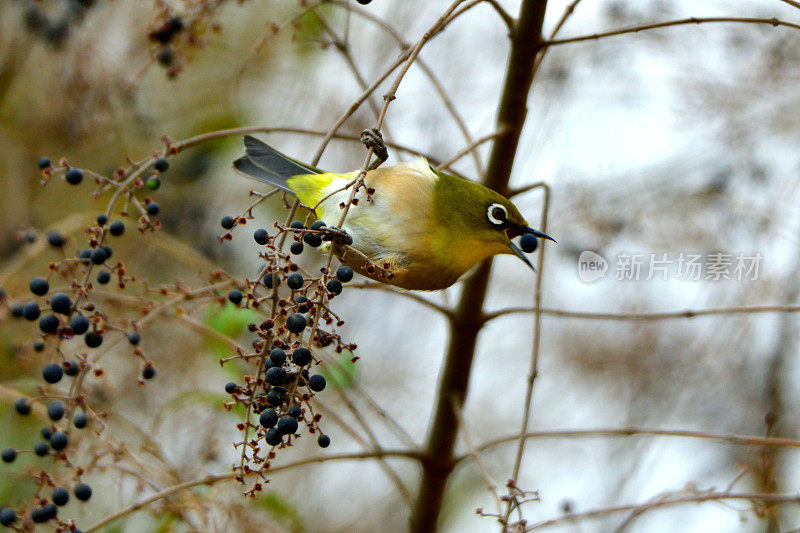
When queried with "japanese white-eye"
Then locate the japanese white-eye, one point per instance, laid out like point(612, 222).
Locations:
point(428, 227)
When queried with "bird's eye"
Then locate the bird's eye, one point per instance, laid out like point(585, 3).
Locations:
point(497, 214)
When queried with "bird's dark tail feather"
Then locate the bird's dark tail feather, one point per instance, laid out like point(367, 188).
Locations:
point(264, 163)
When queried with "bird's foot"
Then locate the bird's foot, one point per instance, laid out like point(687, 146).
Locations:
point(336, 235)
point(374, 140)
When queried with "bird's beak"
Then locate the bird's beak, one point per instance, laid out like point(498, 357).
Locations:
point(519, 229)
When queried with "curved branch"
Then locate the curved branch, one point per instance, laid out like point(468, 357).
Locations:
point(680, 22)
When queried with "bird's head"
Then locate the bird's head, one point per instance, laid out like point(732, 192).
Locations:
point(484, 217)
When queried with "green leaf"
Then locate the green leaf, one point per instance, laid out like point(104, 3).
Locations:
point(281, 509)
point(345, 373)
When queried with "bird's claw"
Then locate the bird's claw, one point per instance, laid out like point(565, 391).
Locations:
point(373, 139)
point(336, 235)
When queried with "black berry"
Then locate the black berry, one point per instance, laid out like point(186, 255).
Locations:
point(22, 407)
point(16, 310)
point(276, 396)
point(301, 356)
point(54, 238)
point(344, 273)
point(268, 418)
point(39, 515)
point(48, 323)
point(44, 162)
point(312, 239)
point(117, 228)
point(99, 256)
point(103, 277)
point(287, 425)
point(93, 339)
point(235, 297)
point(268, 280)
point(148, 372)
point(134, 338)
point(71, 367)
point(277, 356)
point(363, 2)
point(324, 441)
point(295, 281)
point(316, 382)
point(334, 286)
point(50, 511)
point(296, 323)
point(152, 209)
point(80, 420)
point(297, 225)
point(230, 387)
point(318, 224)
point(8, 455)
point(296, 248)
point(295, 411)
point(55, 411)
point(85, 255)
point(227, 222)
point(79, 324)
point(302, 304)
point(102, 219)
point(60, 496)
point(59, 440)
point(273, 437)
point(161, 164)
point(108, 250)
point(7, 515)
point(31, 311)
point(83, 492)
point(275, 375)
point(39, 286)
point(52, 373)
point(528, 243)
point(39, 346)
point(60, 303)
point(41, 448)
point(261, 236)
point(74, 176)
point(46, 433)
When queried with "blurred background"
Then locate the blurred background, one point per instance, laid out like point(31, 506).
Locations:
point(674, 141)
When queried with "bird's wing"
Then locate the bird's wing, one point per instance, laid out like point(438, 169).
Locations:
point(264, 163)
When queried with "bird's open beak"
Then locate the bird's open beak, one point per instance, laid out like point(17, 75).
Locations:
point(517, 230)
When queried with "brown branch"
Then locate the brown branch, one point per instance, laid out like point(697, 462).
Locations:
point(775, 22)
point(666, 315)
point(698, 497)
point(466, 323)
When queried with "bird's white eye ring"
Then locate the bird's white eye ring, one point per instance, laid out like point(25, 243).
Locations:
point(497, 214)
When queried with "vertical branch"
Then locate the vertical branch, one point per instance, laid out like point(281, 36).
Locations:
point(526, 40)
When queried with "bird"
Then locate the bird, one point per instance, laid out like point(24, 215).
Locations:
point(423, 228)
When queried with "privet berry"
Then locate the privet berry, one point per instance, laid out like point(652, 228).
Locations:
point(48, 323)
point(528, 243)
point(296, 248)
point(59, 440)
point(268, 280)
point(16, 310)
point(318, 224)
point(108, 250)
point(41, 448)
point(152, 183)
point(60, 496)
point(39, 286)
point(152, 209)
point(21, 405)
point(55, 411)
point(324, 441)
point(296, 323)
point(161, 164)
point(103, 277)
point(117, 228)
point(276, 396)
point(71, 367)
point(31, 311)
point(344, 273)
point(287, 425)
point(83, 491)
point(273, 437)
point(39, 346)
point(99, 256)
point(227, 222)
point(294, 411)
point(46, 433)
point(8, 515)
point(295, 281)
point(302, 304)
point(301, 356)
point(80, 420)
point(277, 356)
point(61, 303)
point(102, 219)
point(261, 236)
point(8, 455)
point(275, 375)
point(79, 324)
point(149, 372)
point(230, 387)
point(268, 418)
point(134, 338)
point(297, 225)
point(74, 176)
point(235, 297)
point(334, 286)
point(316, 382)
point(55, 239)
point(52, 373)
point(85, 255)
point(44, 162)
point(93, 339)
point(312, 239)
